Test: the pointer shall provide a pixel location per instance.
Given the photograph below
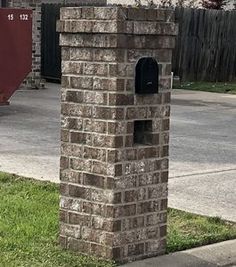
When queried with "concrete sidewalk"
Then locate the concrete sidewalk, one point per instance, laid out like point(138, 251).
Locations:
point(221, 254)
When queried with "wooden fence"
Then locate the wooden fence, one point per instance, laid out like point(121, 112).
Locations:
point(206, 45)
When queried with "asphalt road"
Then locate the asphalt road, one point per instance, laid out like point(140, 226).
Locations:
point(202, 151)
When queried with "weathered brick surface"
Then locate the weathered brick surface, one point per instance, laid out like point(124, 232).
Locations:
point(113, 190)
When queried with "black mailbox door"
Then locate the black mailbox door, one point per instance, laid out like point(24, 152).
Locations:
point(146, 76)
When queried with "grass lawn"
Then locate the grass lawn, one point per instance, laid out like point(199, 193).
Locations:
point(29, 227)
point(218, 87)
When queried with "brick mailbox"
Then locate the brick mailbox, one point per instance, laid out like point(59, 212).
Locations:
point(116, 77)
point(15, 50)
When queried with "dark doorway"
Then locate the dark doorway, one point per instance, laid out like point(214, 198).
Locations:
point(50, 49)
point(3, 3)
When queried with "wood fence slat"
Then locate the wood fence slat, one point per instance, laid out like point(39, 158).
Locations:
point(206, 45)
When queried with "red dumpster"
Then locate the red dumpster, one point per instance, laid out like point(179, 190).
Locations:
point(15, 50)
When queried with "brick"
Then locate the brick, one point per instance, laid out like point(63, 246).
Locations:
point(70, 231)
point(148, 99)
point(63, 216)
point(109, 13)
point(71, 150)
point(136, 14)
point(85, 54)
point(71, 109)
point(79, 218)
point(87, 13)
point(118, 127)
point(164, 177)
point(132, 223)
point(108, 141)
point(120, 100)
point(130, 196)
point(95, 126)
point(125, 210)
point(94, 180)
point(64, 162)
point(114, 156)
point(100, 69)
point(70, 13)
point(98, 98)
point(109, 55)
point(79, 192)
point(135, 249)
point(107, 225)
point(165, 151)
point(71, 204)
point(82, 82)
point(163, 231)
point(130, 154)
point(155, 219)
point(63, 241)
point(71, 123)
point(108, 113)
point(157, 192)
point(114, 188)
point(148, 206)
point(126, 182)
point(65, 135)
point(98, 250)
point(71, 176)
point(80, 164)
point(108, 84)
point(74, 96)
point(81, 138)
point(121, 70)
point(69, 67)
point(78, 245)
point(166, 98)
point(163, 55)
point(163, 204)
point(95, 153)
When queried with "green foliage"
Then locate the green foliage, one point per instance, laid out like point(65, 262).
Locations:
point(214, 4)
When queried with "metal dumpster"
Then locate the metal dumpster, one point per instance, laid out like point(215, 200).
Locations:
point(15, 50)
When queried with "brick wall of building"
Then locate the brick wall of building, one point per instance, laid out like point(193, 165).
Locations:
point(113, 184)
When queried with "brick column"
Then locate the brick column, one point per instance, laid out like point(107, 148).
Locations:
point(114, 163)
point(34, 79)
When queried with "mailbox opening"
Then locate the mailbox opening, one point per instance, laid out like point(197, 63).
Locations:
point(143, 132)
point(146, 76)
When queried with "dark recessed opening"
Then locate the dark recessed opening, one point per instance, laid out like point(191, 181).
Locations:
point(143, 132)
point(146, 76)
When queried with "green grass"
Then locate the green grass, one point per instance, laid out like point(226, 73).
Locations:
point(218, 87)
point(29, 227)
point(186, 230)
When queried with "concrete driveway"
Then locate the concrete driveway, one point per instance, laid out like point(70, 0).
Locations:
point(29, 134)
point(203, 153)
point(202, 156)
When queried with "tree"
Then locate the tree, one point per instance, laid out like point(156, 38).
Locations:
point(214, 4)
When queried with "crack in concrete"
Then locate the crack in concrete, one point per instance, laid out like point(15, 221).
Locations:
point(201, 173)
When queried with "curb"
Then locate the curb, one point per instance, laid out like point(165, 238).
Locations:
point(221, 254)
